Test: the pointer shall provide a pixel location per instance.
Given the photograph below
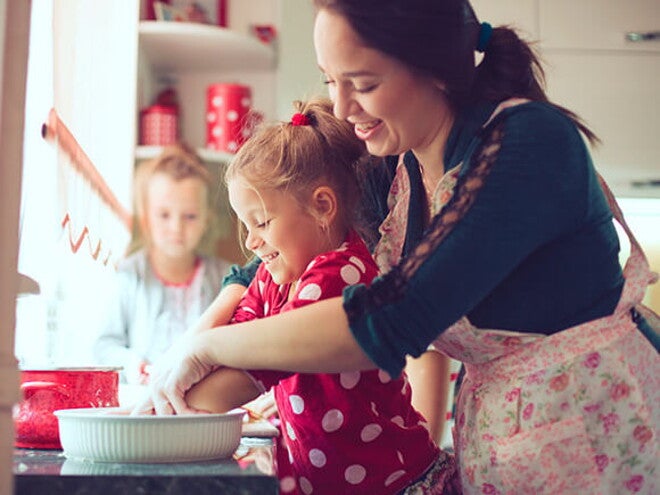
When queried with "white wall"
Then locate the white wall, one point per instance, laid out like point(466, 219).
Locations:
point(298, 76)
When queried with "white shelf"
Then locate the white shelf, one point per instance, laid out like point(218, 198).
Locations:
point(183, 46)
point(208, 155)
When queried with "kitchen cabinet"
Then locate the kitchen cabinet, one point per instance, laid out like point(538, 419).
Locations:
point(595, 69)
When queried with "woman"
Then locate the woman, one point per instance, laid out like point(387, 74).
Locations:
point(510, 258)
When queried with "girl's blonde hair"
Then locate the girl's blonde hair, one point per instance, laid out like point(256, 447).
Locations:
point(178, 162)
point(298, 158)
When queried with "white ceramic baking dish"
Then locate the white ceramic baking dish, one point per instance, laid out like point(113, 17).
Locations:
point(111, 435)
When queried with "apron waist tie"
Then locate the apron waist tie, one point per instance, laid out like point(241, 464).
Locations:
point(559, 347)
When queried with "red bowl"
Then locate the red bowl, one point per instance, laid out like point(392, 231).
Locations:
point(48, 390)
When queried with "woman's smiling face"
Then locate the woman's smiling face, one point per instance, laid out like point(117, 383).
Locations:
point(392, 108)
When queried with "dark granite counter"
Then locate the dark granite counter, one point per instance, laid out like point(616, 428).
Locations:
point(252, 470)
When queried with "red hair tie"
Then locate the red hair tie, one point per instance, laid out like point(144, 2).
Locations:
point(300, 119)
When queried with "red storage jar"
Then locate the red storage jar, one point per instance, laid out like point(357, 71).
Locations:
point(158, 125)
point(227, 109)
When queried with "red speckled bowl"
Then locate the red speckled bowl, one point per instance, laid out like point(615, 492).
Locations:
point(47, 390)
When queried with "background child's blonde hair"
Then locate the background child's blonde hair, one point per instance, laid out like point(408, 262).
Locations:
point(298, 158)
point(178, 162)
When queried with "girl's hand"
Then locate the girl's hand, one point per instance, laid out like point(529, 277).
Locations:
point(264, 405)
point(183, 365)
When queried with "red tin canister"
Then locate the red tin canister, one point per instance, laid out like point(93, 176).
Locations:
point(227, 116)
point(158, 125)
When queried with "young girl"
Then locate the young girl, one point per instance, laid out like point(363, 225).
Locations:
point(163, 287)
point(293, 188)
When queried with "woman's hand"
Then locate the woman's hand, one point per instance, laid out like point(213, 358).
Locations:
point(184, 364)
point(162, 376)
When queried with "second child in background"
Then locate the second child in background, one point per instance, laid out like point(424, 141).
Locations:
point(165, 283)
point(294, 189)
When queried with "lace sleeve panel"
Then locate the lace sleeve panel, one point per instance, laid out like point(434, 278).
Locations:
point(391, 286)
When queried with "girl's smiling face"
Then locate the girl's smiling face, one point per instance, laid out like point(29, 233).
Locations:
point(283, 234)
point(393, 109)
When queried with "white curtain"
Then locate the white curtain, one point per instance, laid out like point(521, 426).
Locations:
point(83, 63)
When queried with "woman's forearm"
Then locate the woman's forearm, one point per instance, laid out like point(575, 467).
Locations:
point(312, 339)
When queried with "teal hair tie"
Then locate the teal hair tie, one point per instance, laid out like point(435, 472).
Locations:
point(484, 36)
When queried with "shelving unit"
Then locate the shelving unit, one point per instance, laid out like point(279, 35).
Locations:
point(208, 155)
point(189, 57)
point(183, 46)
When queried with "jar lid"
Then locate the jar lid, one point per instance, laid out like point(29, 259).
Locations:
point(159, 109)
point(227, 87)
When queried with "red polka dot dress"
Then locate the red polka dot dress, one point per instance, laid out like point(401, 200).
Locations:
point(346, 433)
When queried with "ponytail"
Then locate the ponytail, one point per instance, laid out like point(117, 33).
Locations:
point(511, 68)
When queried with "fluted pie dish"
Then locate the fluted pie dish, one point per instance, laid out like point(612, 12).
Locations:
point(112, 435)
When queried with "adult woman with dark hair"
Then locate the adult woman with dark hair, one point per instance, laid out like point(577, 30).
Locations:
point(502, 251)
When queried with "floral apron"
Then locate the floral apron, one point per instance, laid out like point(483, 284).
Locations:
point(575, 412)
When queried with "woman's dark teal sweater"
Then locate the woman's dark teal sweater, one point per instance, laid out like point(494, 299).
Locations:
point(536, 252)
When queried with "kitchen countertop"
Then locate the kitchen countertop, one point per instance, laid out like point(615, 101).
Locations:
point(252, 470)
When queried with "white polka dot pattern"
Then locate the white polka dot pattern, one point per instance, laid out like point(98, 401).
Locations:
point(383, 376)
point(317, 458)
point(306, 486)
point(337, 428)
point(297, 404)
point(332, 420)
point(350, 274)
point(394, 476)
point(310, 292)
point(358, 262)
point(370, 432)
point(349, 379)
point(287, 484)
point(290, 432)
point(355, 474)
